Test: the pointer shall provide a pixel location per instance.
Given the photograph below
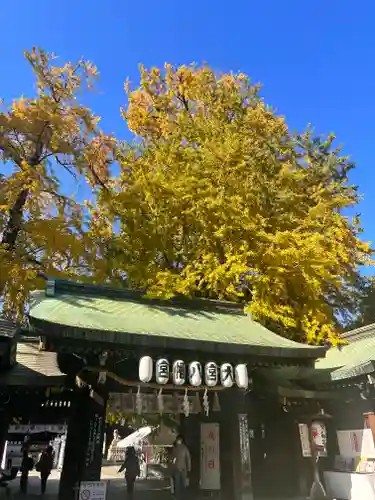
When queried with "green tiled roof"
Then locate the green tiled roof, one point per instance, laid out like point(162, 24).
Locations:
point(33, 368)
point(124, 317)
point(364, 332)
point(352, 359)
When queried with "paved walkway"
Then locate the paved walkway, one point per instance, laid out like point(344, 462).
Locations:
point(145, 490)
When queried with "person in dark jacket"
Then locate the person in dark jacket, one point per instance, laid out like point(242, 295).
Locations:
point(45, 466)
point(181, 467)
point(132, 470)
point(27, 465)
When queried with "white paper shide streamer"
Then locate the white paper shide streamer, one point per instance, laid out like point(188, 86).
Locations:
point(145, 369)
point(162, 371)
point(160, 400)
point(138, 401)
point(206, 403)
point(186, 405)
point(195, 374)
point(241, 376)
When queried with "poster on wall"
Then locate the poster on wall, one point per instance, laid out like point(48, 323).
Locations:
point(210, 457)
point(356, 443)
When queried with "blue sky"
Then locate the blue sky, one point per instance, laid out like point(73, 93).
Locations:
point(315, 59)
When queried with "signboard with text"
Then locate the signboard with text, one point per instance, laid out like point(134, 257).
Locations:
point(93, 490)
point(246, 473)
point(210, 457)
point(94, 443)
point(304, 435)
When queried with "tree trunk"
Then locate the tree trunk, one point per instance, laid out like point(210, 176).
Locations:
point(13, 226)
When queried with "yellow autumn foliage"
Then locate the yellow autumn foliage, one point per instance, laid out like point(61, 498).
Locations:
point(214, 198)
point(217, 198)
point(42, 231)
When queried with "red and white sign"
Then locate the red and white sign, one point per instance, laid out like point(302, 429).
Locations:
point(210, 457)
point(319, 435)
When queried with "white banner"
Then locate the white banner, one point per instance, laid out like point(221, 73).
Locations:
point(210, 457)
point(304, 435)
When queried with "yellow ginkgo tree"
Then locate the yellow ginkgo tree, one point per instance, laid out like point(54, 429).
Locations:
point(42, 231)
point(217, 198)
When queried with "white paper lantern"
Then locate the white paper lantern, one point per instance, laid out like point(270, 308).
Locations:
point(195, 373)
point(211, 374)
point(179, 372)
point(241, 376)
point(226, 375)
point(145, 369)
point(162, 371)
point(319, 433)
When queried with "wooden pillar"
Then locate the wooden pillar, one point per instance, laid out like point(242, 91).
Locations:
point(83, 452)
point(236, 474)
point(4, 425)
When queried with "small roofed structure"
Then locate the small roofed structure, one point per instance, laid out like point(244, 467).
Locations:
point(34, 368)
point(32, 388)
point(22, 362)
point(354, 358)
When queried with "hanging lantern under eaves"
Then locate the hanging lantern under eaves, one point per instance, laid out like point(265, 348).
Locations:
point(162, 371)
point(226, 375)
point(145, 369)
point(195, 374)
point(241, 376)
point(179, 372)
point(211, 374)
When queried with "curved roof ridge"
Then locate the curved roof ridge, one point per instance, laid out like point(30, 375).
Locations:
point(106, 291)
point(360, 333)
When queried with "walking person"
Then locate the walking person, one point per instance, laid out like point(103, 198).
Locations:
point(181, 467)
point(27, 465)
point(132, 470)
point(45, 466)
